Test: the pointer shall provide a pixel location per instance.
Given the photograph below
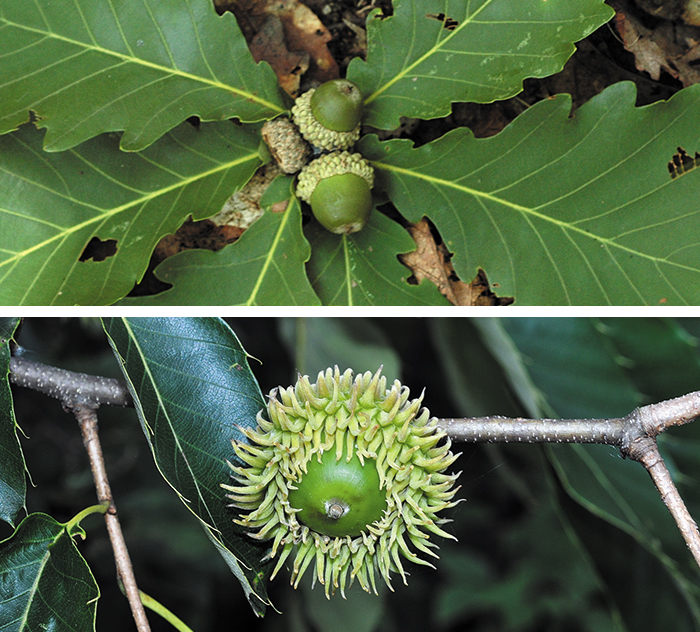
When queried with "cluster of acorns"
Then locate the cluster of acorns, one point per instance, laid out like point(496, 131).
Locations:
point(337, 184)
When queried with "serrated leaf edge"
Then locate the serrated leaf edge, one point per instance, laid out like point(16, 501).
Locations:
point(209, 529)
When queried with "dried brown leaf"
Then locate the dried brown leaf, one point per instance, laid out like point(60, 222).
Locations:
point(269, 45)
point(431, 260)
point(668, 45)
point(289, 36)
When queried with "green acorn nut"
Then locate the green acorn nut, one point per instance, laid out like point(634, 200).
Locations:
point(337, 186)
point(329, 116)
point(337, 497)
point(337, 105)
point(346, 474)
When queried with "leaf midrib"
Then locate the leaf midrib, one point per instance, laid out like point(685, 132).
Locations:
point(431, 51)
point(35, 587)
point(269, 257)
point(161, 405)
point(564, 226)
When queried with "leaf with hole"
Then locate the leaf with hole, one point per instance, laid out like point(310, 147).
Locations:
point(560, 209)
point(60, 202)
point(264, 267)
point(428, 55)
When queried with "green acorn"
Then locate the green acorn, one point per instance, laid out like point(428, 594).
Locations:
point(337, 186)
point(347, 474)
point(329, 116)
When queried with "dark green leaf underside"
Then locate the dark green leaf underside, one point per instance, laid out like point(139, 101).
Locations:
point(46, 583)
point(12, 477)
point(568, 359)
point(194, 389)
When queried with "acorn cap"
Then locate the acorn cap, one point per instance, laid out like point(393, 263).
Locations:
point(346, 426)
point(288, 148)
point(331, 122)
point(332, 165)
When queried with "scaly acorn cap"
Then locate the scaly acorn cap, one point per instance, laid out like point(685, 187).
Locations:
point(347, 474)
point(329, 116)
point(328, 165)
point(337, 186)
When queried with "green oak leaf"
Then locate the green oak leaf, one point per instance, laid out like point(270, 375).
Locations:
point(59, 202)
point(194, 391)
point(264, 267)
point(13, 484)
point(564, 358)
point(45, 584)
point(142, 67)
point(363, 269)
point(560, 209)
point(432, 53)
point(317, 343)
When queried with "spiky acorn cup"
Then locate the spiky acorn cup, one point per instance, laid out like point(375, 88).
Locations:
point(329, 116)
point(347, 473)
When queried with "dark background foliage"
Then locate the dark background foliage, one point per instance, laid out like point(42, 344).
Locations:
point(529, 557)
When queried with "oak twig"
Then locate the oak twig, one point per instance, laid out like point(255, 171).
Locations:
point(646, 452)
point(83, 394)
point(647, 421)
point(634, 435)
point(87, 418)
point(73, 389)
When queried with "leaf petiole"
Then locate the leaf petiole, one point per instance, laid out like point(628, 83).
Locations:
point(157, 607)
point(72, 524)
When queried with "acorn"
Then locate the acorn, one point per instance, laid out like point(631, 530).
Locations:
point(329, 116)
point(346, 475)
point(337, 186)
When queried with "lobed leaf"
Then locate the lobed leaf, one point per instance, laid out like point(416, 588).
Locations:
point(13, 485)
point(265, 266)
point(110, 65)
point(57, 203)
point(194, 390)
point(560, 209)
point(430, 54)
point(363, 269)
point(46, 583)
